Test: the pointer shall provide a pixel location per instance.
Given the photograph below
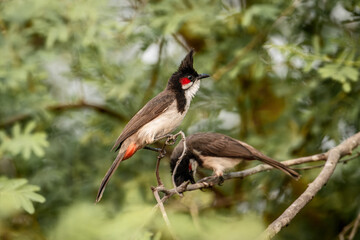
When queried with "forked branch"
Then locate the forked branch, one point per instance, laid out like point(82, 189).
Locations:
point(332, 158)
point(170, 140)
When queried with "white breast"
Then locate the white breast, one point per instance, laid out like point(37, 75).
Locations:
point(164, 124)
point(218, 164)
point(168, 120)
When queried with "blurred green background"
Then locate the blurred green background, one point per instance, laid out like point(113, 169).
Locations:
point(285, 79)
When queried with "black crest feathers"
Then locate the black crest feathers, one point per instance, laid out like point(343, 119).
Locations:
point(186, 68)
point(187, 63)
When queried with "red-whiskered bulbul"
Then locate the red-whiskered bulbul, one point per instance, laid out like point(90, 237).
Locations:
point(159, 117)
point(217, 152)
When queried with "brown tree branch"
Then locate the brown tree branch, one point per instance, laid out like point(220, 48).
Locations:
point(163, 212)
point(321, 165)
point(332, 159)
point(334, 155)
point(161, 206)
point(181, 43)
point(65, 107)
point(179, 160)
point(160, 156)
point(353, 226)
point(160, 202)
point(212, 180)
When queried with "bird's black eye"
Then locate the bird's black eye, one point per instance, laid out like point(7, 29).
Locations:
point(190, 77)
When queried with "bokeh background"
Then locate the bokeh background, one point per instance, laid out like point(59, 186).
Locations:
point(285, 79)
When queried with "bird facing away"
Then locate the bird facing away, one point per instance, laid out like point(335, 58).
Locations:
point(159, 117)
point(217, 152)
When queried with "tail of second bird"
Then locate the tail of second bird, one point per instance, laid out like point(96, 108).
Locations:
point(292, 173)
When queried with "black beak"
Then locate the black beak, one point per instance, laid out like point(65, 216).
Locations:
point(201, 76)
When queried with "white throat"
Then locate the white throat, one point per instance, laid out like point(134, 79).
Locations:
point(191, 91)
point(194, 166)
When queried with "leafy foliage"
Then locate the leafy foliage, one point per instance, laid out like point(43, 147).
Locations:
point(25, 142)
point(340, 73)
point(17, 193)
point(285, 79)
point(136, 222)
point(260, 12)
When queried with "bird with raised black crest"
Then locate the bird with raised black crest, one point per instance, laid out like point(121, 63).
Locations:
point(159, 117)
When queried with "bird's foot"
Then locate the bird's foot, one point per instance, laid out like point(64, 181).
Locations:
point(171, 140)
point(220, 180)
point(207, 182)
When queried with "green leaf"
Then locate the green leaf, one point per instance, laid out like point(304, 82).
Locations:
point(31, 126)
point(16, 194)
point(25, 142)
point(340, 73)
point(351, 73)
point(263, 11)
point(347, 87)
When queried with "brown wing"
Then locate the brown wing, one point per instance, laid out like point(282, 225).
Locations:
point(149, 112)
point(219, 145)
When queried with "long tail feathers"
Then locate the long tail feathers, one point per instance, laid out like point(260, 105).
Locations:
point(282, 167)
point(108, 174)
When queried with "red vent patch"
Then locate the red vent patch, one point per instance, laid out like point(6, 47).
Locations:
point(184, 81)
point(130, 151)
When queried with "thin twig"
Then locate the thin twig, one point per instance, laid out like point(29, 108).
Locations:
point(169, 193)
point(178, 40)
point(169, 141)
point(65, 107)
point(210, 181)
point(321, 165)
point(213, 180)
point(345, 230)
point(264, 167)
point(163, 212)
point(333, 158)
point(161, 206)
point(179, 161)
point(161, 155)
point(334, 155)
point(355, 228)
point(159, 182)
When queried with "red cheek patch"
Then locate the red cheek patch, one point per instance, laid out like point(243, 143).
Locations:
point(190, 167)
point(184, 81)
